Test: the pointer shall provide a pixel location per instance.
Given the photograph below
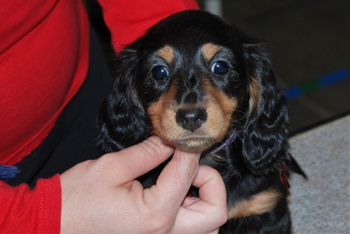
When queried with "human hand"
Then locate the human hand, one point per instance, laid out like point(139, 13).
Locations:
point(102, 196)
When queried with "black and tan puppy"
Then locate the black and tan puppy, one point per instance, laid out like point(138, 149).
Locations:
point(203, 86)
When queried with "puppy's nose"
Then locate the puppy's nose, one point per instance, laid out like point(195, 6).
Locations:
point(191, 119)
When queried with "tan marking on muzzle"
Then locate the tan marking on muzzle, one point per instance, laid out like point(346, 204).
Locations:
point(162, 115)
point(220, 108)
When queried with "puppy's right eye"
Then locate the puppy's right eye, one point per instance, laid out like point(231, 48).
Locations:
point(219, 68)
point(160, 72)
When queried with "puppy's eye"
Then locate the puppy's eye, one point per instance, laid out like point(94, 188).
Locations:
point(160, 72)
point(219, 68)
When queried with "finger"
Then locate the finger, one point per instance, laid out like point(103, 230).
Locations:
point(174, 182)
point(211, 186)
point(139, 159)
point(209, 211)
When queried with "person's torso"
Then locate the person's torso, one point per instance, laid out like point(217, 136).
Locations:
point(43, 62)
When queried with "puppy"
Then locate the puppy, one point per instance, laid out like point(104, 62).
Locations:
point(203, 86)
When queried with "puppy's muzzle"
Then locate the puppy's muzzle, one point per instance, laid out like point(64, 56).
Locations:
point(191, 119)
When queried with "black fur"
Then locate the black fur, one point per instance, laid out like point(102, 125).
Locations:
point(253, 161)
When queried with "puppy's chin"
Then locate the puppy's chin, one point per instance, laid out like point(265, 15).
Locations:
point(193, 145)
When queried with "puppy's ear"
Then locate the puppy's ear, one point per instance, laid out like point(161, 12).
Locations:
point(265, 133)
point(122, 119)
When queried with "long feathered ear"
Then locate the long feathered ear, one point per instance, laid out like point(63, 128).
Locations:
point(264, 137)
point(122, 119)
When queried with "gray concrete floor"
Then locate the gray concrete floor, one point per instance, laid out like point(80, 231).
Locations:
point(306, 39)
point(321, 204)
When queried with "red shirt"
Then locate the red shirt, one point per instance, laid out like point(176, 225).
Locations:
point(44, 49)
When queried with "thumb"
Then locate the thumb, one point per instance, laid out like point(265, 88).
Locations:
point(138, 159)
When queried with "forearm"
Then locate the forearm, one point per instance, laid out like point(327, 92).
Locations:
point(31, 211)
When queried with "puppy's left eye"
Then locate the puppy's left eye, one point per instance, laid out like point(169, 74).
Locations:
point(160, 72)
point(219, 68)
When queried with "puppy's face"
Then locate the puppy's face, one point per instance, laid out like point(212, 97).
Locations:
point(193, 80)
point(192, 83)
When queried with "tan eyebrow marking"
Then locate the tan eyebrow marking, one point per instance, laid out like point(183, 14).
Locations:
point(167, 53)
point(209, 50)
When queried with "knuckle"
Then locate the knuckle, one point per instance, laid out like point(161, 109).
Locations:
point(222, 215)
point(214, 175)
point(103, 160)
point(160, 223)
point(212, 172)
point(105, 163)
point(85, 165)
point(191, 165)
point(154, 147)
point(149, 150)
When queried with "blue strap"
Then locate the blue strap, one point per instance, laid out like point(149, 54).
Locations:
point(8, 172)
point(228, 141)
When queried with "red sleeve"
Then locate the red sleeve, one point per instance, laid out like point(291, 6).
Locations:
point(127, 20)
point(23, 210)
